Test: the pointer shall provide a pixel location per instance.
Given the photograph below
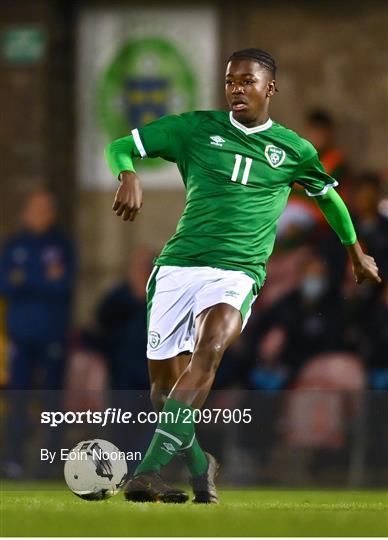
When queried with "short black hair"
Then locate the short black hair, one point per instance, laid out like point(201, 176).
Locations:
point(262, 57)
point(321, 118)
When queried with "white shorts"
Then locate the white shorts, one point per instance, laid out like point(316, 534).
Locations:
point(176, 295)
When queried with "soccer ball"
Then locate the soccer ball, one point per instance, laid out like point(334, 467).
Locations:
point(95, 469)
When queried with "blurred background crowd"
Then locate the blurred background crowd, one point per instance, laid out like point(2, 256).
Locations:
point(72, 283)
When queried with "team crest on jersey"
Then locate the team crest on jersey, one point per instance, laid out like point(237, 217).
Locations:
point(217, 140)
point(153, 339)
point(274, 155)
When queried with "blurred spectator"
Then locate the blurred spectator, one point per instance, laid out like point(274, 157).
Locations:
point(368, 328)
point(372, 226)
point(320, 130)
point(121, 325)
point(306, 321)
point(36, 280)
point(302, 215)
point(376, 341)
point(120, 336)
point(3, 346)
point(369, 303)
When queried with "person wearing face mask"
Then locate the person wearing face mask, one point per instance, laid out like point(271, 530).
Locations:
point(313, 287)
point(306, 321)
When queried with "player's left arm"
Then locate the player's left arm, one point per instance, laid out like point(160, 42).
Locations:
point(337, 215)
point(319, 185)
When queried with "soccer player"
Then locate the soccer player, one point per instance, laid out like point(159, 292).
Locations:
point(238, 168)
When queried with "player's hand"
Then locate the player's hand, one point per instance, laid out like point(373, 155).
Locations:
point(129, 196)
point(366, 268)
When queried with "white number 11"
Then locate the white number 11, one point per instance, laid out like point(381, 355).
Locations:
point(236, 168)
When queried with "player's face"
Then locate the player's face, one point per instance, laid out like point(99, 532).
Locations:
point(248, 87)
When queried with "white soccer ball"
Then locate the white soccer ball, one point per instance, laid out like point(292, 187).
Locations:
point(95, 469)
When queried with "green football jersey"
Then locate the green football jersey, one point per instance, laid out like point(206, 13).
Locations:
point(237, 181)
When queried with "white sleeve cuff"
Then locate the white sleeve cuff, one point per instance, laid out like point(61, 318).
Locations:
point(323, 191)
point(138, 143)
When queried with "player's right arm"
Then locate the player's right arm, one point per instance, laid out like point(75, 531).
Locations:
point(164, 138)
point(129, 196)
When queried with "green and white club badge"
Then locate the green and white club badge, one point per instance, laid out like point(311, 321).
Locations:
point(275, 156)
point(148, 78)
point(153, 339)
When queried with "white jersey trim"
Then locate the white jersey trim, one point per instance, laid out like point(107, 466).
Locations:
point(323, 191)
point(139, 144)
point(166, 434)
point(247, 130)
point(189, 445)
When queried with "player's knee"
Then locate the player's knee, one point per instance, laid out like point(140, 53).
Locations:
point(211, 349)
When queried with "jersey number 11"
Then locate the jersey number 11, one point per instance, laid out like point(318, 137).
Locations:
point(236, 168)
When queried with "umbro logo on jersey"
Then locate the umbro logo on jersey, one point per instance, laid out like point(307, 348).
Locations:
point(275, 156)
point(217, 140)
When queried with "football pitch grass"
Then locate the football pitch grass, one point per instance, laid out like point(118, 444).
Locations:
point(52, 510)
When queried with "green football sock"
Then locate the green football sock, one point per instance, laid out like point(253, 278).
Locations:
point(194, 457)
point(175, 429)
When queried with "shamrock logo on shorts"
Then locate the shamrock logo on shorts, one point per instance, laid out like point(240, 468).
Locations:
point(153, 339)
